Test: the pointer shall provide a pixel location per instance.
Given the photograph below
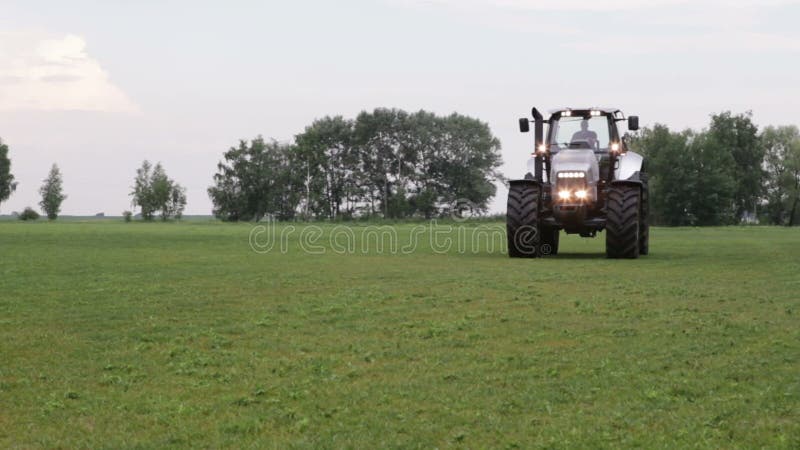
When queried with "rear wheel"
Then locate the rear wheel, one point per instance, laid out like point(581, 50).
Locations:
point(623, 222)
point(522, 220)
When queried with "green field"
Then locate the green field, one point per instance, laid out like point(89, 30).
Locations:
point(117, 335)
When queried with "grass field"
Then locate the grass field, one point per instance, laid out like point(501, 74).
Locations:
point(117, 335)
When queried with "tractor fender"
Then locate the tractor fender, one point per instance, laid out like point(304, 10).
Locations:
point(636, 179)
point(628, 164)
point(525, 181)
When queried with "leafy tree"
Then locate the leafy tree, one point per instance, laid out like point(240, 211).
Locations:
point(7, 184)
point(384, 158)
point(177, 202)
point(713, 181)
point(142, 193)
point(738, 135)
point(154, 192)
point(52, 193)
point(29, 214)
point(467, 163)
point(669, 166)
point(386, 161)
point(257, 178)
point(325, 151)
point(782, 163)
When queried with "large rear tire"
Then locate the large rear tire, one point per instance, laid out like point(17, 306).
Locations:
point(522, 220)
point(623, 222)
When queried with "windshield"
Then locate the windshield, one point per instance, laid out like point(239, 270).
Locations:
point(579, 132)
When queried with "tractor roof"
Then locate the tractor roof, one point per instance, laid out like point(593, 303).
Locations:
point(606, 109)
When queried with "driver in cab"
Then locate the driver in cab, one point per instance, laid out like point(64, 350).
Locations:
point(585, 134)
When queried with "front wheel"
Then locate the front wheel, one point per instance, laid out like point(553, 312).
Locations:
point(522, 220)
point(623, 222)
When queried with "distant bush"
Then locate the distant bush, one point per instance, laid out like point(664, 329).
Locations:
point(127, 215)
point(29, 214)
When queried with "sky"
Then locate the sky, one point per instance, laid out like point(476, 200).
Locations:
point(98, 86)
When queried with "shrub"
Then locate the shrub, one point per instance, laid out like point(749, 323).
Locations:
point(127, 215)
point(29, 214)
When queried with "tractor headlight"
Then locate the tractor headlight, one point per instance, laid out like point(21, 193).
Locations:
point(571, 175)
point(581, 194)
point(564, 195)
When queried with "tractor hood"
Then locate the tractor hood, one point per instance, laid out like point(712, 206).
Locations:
point(575, 160)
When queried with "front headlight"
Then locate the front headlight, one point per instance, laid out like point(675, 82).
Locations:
point(581, 194)
point(564, 195)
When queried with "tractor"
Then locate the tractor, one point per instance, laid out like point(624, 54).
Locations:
point(582, 178)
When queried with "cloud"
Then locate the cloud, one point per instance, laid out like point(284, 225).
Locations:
point(48, 73)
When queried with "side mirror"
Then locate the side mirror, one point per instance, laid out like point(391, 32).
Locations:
point(633, 123)
point(524, 125)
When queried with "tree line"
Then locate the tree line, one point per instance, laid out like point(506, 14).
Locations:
point(386, 163)
point(389, 163)
point(727, 173)
point(153, 191)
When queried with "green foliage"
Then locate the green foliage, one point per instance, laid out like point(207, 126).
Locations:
point(782, 161)
point(7, 184)
point(738, 135)
point(29, 214)
point(670, 167)
point(154, 192)
point(329, 162)
point(386, 162)
point(692, 177)
point(258, 178)
point(711, 177)
point(127, 216)
point(178, 336)
point(52, 193)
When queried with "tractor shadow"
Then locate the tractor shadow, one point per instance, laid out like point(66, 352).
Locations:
point(576, 255)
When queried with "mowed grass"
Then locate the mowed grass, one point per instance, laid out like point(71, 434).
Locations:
point(117, 335)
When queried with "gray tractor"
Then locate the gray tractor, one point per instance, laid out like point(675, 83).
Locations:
point(581, 179)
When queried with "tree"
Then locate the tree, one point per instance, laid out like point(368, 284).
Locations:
point(325, 151)
point(29, 214)
point(154, 191)
point(467, 162)
point(669, 166)
point(713, 181)
point(691, 177)
point(142, 193)
point(386, 161)
point(257, 178)
point(52, 193)
point(782, 163)
point(383, 154)
point(738, 135)
point(7, 184)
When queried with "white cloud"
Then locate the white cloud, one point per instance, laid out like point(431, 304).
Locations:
point(47, 73)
